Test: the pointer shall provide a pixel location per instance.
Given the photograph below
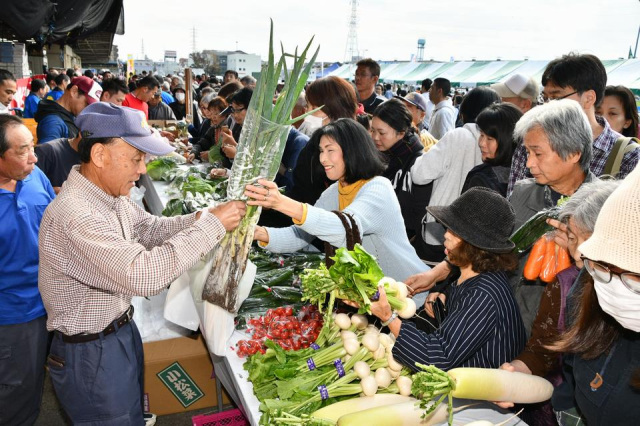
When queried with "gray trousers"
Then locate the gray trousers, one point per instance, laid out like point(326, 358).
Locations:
point(23, 353)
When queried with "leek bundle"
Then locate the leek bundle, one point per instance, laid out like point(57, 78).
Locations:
point(260, 148)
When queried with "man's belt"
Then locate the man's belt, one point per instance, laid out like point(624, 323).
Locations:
point(111, 328)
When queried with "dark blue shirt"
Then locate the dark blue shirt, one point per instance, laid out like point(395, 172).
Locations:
point(295, 142)
point(21, 212)
point(483, 328)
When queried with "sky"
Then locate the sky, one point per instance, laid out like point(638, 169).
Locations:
point(387, 29)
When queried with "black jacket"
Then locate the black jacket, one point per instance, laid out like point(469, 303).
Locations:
point(488, 176)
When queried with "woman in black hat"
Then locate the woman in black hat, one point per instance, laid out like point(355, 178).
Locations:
point(483, 326)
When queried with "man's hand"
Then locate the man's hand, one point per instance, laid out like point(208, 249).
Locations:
point(230, 213)
point(560, 234)
point(168, 135)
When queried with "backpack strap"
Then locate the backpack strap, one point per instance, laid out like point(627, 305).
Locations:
point(352, 235)
point(622, 146)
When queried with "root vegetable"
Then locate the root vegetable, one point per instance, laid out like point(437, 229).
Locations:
point(371, 342)
point(404, 385)
point(362, 369)
point(334, 411)
point(359, 321)
point(348, 335)
point(351, 346)
point(403, 292)
point(371, 329)
point(394, 365)
point(369, 385)
point(383, 378)
point(343, 321)
point(385, 340)
point(394, 374)
point(409, 309)
point(380, 353)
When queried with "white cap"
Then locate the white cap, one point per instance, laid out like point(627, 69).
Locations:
point(517, 86)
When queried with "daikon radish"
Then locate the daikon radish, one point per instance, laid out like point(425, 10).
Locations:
point(402, 414)
point(490, 384)
point(334, 411)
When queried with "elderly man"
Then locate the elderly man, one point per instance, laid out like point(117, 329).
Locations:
point(249, 81)
point(558, 138)
point(581, 78)
point(24, 194)
point(367, 75)
point(417, 106)
point(158, 110)
point(520, 90)
point(98, 249)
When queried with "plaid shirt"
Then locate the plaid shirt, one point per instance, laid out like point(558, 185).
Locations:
point(602, 146)
point(97, 251)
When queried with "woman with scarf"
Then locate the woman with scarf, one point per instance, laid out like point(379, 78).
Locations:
point(400, 144)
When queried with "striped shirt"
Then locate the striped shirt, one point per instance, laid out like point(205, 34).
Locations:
point(483, 328)
point(602, 146)
point(97, 251)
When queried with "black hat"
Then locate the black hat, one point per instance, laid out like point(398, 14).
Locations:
point(481, 217)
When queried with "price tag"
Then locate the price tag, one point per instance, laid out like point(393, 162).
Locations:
point(311, 364)
point(315, 347)
point(339, 367)
point(324, 393)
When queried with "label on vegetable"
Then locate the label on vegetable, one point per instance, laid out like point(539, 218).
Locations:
point(311, 364)
point(375, 296)
point(315, 347)
point(324, 393)
point(339, 367)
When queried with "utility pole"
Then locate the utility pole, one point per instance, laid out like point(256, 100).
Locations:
point(351, 51)
point(193, 40)
point(142, 50)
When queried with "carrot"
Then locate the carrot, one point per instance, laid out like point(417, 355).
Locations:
point(548, 271)
point(563, 261)
point(534, 262)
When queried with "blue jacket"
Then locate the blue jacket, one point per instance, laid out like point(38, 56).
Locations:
point(30, 106)
point(54, 122)
point(167, 98)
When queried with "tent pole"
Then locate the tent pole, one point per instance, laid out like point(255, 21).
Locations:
point(636, 49)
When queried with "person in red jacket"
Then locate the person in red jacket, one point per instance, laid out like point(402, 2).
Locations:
point(141, 95)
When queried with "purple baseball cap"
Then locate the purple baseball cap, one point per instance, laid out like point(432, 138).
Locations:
point(105, 120)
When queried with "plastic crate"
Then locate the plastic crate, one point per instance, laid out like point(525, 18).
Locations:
point(224, 418)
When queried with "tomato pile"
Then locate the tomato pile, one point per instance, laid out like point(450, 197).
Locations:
point(289, 330)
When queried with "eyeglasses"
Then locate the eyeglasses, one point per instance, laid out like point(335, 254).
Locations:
point(363, 75)
point(603, 274)
point(233, 110)
point(545, 99)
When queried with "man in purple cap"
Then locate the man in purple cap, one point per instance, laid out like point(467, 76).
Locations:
point(98, 249)
point(56, 119)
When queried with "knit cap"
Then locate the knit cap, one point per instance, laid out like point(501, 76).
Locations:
point(616, 236)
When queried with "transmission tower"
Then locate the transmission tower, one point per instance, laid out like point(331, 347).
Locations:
point(142, 50)
point(193, 40)
point(351, 52)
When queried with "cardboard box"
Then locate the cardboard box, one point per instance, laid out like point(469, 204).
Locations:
point(178, 376)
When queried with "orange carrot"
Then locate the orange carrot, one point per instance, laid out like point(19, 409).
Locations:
point(563, 261)
point(534, 262)
point(548, 272)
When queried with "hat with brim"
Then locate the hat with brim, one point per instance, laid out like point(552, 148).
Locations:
point(105, 120)
point(481, 217)
point(414, 99)
point(92, 90)
point(517, 86)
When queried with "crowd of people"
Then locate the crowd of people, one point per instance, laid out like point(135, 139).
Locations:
point(432, 186)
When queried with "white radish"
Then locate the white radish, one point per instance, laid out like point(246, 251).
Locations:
point(347, 357)
point(387, 281)
point(343, 321)
point(369, 385)
point(380, 353)
point(385, 340)
point(402, 414)
point(393, 364)
point(362, 369)
point(409, 309)
point(351, 346)
point(488, 423)
point(490, 384)
point(402, 291)
point(404, 385)
point(336, 410)
point(371, 329)
point(394, 374)
point(383, 378)
point(348, 335)
point(371, 342)
point(359, 321)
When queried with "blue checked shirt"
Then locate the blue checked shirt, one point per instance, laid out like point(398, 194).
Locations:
point(602, 146)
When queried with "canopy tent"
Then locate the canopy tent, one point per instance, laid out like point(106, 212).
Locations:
point(328, 70)
point(624, 72)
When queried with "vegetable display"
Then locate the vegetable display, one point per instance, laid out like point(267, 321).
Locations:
point(259, 153)
point(157, 168)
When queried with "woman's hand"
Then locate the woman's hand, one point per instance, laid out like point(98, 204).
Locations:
point(229, 144)
point(431, 299)
point(261, 234)
point(381, 308)
point(265, 194)
point(218, 173)
point(190, 158)
point(204, 156)
point(560, 234)
point(420, 282)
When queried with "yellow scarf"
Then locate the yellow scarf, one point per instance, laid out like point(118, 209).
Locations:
point(346, 194)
